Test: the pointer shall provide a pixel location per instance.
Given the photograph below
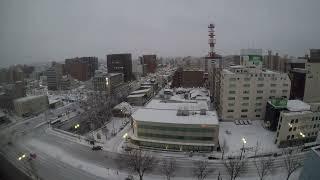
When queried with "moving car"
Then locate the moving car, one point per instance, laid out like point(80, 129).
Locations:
point(96, 148)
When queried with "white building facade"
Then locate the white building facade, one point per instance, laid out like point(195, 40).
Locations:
point(298, 125)
point(246, 89)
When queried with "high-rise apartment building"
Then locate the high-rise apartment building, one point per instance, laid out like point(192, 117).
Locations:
point(81, 68)
point(120, 63)
point(246, 88)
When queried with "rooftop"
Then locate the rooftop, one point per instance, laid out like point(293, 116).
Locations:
point(140, 91)
point(170, 116)
point(297, 105)
point(135, 95)
point(176, 103)
point(28, 98)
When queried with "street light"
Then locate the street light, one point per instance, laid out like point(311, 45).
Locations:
point(22, 157)
point(77, 126)
point(242, 150)
point(302, 134)
point(125, 136)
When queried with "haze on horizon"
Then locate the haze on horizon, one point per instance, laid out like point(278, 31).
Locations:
point(43, 30)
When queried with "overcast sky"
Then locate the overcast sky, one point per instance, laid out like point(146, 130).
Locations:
point(43, 30)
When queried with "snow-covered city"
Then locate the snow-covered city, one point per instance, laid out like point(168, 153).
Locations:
point(251, 114)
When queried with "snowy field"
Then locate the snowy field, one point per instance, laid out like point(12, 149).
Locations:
point(252, 133)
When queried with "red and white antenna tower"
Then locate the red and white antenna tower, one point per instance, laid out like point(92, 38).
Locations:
point(212, 41)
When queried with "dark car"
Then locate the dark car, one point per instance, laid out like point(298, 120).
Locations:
point(96, 148)
point(212, 157)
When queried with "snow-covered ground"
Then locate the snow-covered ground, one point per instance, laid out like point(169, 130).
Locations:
point(252, 133)
point(104, 172)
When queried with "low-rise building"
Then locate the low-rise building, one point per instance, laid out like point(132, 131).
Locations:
point(273, 110)
point(298, 124)
point(176, 124)
point(137, 99)
point(31, 105)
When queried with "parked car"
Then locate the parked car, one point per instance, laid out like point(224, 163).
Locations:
point(96, 148)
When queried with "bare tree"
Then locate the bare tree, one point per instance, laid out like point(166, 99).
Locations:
point(138, 162)
point(235, 166)
point(223, 148)
point(168, 168)
point(263, 165)
point(201, 169)
point(291, 163)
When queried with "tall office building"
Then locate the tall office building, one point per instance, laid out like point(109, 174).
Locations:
point(150, 62)
point(81, 68)
point(120, 63)
point(246, 88)
point(306, 81)
point(54, 76)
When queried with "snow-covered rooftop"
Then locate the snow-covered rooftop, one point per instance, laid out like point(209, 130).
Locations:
point(297, 105)
point(141, 91)
point(135, 95)
point(170, 116)
point(177, 104)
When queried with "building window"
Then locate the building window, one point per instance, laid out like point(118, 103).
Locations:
point(245, 98)
point(285, 84)
point(259, 97)
point(230, 110)
point(314, 126)
point(285, 91)
point(271, 97)
point(230, 104)
point(244, 110)
point(245, 92)
point(273, 85)
point(288, 137)
point(232, 92)
point(279, 127)
point(296, 121)
point(292, 136)
point(292, 121)
point(258, 115)
point(244, 116)
point(273, 91)
point(290, 129)
point(232, 85)
point(260, 79)
point(232, 79)
point(277, 134)
point(245, 104)
point(257, 110)
point(259, 91)
point(295, 128)
point(247, 79)
point(231, 98)
point(246, 85)
point(312, 119)
point(260, 85)
point(258, 104)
